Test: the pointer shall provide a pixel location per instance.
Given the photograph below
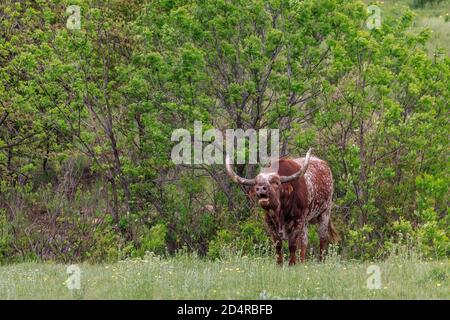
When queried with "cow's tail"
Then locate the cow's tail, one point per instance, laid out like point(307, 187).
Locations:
point(333, 235)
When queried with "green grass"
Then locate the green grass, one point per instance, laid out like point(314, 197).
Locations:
point(189, 277)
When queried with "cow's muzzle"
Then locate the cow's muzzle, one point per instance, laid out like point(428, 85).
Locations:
point(263, 199)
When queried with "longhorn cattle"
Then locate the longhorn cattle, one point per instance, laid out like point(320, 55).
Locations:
point(294, 193)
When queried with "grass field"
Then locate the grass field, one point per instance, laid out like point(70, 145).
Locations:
point(189, 277)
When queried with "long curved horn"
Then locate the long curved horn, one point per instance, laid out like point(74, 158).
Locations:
point(235, 177)
point(300, 172)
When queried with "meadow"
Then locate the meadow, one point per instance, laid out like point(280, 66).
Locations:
point(189, 277)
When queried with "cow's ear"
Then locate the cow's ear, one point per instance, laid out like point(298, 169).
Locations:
point(286, 189)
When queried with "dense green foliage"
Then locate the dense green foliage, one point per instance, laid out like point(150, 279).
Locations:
point(86, 118)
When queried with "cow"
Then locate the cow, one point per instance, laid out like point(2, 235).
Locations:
point(293, 193)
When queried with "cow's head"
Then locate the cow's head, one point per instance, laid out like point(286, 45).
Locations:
point(269, 187)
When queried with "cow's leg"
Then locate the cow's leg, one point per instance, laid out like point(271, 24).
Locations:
point(292, 251)
point(270, 221)
point(303, 239)
point(279, 250)
point(324, 221)
point(323, 248)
